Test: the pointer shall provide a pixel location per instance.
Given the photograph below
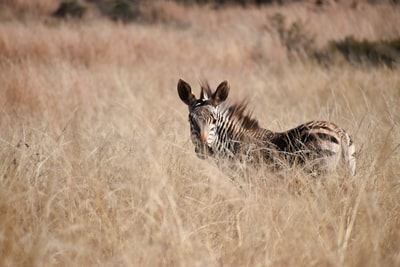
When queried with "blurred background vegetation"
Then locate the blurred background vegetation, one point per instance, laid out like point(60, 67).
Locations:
point(294, 36)
point(298, 42)
point(135, 10)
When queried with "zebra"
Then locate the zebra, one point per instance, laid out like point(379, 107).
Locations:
point(222, 130)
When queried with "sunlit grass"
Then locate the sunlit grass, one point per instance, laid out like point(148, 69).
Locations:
point(97, 167)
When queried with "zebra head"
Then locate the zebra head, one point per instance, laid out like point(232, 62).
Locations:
point(203, 114)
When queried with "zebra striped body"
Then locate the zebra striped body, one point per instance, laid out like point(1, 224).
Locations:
point(219, 129)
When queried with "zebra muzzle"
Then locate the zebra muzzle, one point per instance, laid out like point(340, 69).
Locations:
point(203, 151)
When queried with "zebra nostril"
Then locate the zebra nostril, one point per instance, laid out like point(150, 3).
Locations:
point(203, 137)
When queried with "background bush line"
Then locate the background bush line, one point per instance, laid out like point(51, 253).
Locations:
point(364, 52)
point(295, 36)
point(300, 44)
point(131, 10)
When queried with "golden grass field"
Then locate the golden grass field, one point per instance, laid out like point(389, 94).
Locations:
point(96, 163)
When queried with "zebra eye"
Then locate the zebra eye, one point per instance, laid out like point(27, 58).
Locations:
point(213, 120)
point(193, 124)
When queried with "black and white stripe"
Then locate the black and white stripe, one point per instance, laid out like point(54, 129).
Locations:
point(222, 130)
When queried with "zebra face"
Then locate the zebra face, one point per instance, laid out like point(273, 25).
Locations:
point(202, 120)
point(203, 115)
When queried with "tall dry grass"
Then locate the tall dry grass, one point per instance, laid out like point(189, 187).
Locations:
point(97, 167)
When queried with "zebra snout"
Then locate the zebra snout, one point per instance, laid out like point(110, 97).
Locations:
point(203, 151)
point(201, 156)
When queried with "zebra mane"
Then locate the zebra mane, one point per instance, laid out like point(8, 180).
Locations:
point(205, 90)
point(238, 113)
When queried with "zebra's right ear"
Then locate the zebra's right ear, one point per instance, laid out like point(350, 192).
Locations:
point(185, 92)
point(221, 93)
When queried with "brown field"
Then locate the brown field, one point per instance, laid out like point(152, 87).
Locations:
point(96, 163)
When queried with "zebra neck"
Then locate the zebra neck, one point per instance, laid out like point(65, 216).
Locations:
point(237, 116)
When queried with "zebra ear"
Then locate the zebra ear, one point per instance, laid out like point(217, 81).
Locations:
point(185, 92)
point(221, 94)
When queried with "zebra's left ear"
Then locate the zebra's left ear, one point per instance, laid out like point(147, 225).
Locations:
point(221, 94)
point(185, 92)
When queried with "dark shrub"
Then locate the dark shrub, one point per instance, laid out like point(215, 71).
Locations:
point(125, 10)
point(373, 53)
point(69, 8)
